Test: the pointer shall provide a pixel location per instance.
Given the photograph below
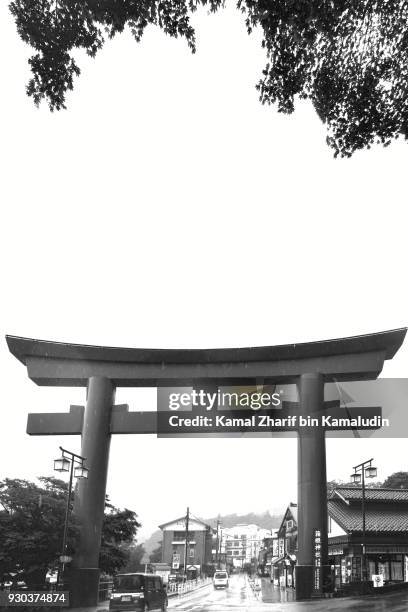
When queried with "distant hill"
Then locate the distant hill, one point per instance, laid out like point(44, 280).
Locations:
point(150, 544)
point(264, 520)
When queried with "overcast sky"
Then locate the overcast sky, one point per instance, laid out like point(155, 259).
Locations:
point(167, 208)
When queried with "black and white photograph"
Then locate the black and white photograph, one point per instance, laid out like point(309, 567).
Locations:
point(204, 306)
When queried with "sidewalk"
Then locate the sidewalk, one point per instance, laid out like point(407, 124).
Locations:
point(276, 594)
point(390, 602)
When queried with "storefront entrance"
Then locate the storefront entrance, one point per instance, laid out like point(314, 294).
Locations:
point(391, 567)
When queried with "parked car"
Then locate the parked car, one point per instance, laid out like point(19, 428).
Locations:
point(13, 583)
point(138, 592)
point(220, 580)
point(21, 585)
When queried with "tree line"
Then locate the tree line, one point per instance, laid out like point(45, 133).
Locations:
point(348, 57)
point(32, 520)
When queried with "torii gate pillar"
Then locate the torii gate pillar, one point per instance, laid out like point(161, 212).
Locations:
point(90, 494)
point(312, 486)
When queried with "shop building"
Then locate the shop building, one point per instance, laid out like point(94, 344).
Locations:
point(241, 544)
point(199, 543)
point(386, 534)
point(267, 553)
point(285, 548)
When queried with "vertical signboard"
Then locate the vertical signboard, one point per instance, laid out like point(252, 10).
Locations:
point(343, 571)
point(317, 561)
point(176, 561)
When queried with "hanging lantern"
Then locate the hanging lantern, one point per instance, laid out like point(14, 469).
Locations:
point(81, 472)
point(356, 478)
point(61, 465)
point(371, 472)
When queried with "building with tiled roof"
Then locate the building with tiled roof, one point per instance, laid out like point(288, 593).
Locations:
point(377, 494)
point(386, 533)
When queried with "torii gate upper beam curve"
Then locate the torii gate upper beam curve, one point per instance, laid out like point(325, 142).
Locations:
point(63, 364)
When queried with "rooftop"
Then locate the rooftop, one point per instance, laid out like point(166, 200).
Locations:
point(390, 520)
point(292, 509)
point(181, 523)
point(352, 494)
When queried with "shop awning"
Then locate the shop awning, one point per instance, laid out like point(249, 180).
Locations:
point(390, 549)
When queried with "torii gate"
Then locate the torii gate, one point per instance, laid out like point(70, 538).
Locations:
point(102, 369)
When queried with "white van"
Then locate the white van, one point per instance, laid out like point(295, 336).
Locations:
point(220, 579)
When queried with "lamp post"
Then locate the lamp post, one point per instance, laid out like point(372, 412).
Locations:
point(217, 546)
point(361, 472)
point(66, 463)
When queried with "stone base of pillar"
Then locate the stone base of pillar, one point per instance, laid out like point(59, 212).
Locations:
point(304, 582)
point(305, 576)
point(84, 587)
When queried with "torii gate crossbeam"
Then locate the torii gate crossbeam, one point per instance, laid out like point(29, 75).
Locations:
point(102, 369)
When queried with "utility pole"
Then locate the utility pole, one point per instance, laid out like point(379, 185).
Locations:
point(217, 546)
point(186, 548)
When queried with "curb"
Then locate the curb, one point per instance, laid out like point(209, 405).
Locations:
point(173, 595)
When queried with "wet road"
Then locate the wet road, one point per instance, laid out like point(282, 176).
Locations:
point(240, 597)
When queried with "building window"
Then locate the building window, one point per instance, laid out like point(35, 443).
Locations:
point(396, 570)
point(191, 553)
point(180, 536)
point(289, 524)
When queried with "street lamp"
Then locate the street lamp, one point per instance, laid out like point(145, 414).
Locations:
point(61, 465)
point(66, 463)
point(356, 478)
point(361, 472)
point(81, 472)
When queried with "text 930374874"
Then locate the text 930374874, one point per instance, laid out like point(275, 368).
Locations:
point(34, 598)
